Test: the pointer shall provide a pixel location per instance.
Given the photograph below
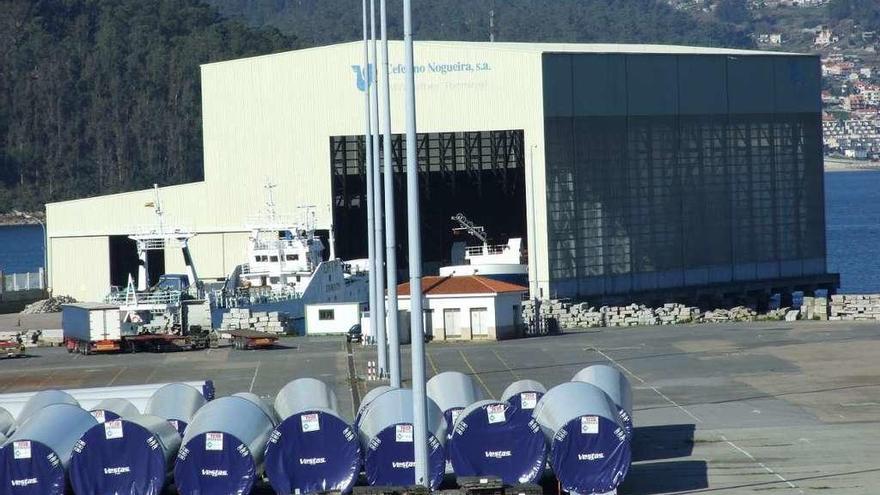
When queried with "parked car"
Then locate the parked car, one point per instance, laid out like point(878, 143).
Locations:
point(354, 333)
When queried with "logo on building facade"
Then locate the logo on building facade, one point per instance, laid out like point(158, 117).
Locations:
point(361, 78)
point(442, 69)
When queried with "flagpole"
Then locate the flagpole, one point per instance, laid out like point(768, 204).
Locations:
point(390, 226)
point(420, 400)
point(368, 145)
point(381, 339)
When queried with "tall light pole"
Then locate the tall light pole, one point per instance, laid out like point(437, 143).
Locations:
point(45, 245)
point(381, 341)
point(390, 226)
point(420, 400)
point(368, 143)
point(533, 239)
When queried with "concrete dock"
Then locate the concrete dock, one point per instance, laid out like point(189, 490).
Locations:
point(741, 408)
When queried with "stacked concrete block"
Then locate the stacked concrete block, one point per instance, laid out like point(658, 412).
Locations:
point(583, 315)
point(674, 313)
point(855, 307)
point(814, 308)
point(628, 316)
point(244, 319)
point(737, 313)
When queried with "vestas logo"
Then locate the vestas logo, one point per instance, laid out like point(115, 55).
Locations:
point(24, 482)
point(592, 456)
point(117, 470)
point(361, 78)
point(214, 473)
point(313, 461)
point(498, 454)
point(403, 464)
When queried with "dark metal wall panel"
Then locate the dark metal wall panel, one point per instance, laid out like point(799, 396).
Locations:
point(557, 86)
point(689, 194)
point(797, 84)
point(652, 84)
point(596, 84)
point(702, 85)
point(750, 84)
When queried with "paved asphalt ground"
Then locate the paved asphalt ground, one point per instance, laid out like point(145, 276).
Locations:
point(782, 408)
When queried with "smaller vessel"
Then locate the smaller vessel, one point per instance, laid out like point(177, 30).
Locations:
point(500, 261)
point(285, 268)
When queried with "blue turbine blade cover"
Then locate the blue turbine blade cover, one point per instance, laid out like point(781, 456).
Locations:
point(390, 458)
point(522, 405)
point(214, 463)
point(590, 454)
point(489, 441)
point(30, 468)
point(312, 451)
point(118, 456)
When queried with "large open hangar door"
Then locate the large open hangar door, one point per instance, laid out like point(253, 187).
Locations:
point(479, 173)
point(124, 262)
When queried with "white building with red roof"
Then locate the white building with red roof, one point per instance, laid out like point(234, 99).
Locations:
point(469, 307)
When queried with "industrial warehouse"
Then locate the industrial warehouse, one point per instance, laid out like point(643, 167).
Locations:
point(630, 171)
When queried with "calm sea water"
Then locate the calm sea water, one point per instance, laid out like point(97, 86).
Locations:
point(852, 217)
point(21, 248)
point(852, 206)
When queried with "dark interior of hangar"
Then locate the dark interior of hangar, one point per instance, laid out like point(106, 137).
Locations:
point(480, 174)
point(124, 262)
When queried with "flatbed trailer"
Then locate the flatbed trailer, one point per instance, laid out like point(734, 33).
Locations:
point(142, 343)
point(251, 339)
point(11, 349)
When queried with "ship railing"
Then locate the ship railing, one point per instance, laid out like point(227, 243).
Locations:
point(485, 250)
point(125, 297)
point(244, 297)
point(275, 244)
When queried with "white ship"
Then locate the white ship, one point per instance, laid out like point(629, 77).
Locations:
point(285, 268)
point(500, 261)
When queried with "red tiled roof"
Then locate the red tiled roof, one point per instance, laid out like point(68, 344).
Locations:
point(470, 284)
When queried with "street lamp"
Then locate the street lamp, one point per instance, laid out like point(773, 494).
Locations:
point(45, 244)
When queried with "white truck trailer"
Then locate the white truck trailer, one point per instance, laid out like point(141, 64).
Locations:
point(91, 327)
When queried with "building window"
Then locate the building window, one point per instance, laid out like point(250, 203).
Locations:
point(292, 257)
point(326, 314)
point(274, 259)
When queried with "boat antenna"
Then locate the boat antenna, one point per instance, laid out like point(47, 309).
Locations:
point(309, 217)
point(466, 225)
point(270, 201)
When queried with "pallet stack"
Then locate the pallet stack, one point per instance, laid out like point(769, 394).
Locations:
point(276, 322)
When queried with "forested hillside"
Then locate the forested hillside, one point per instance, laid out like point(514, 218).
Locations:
point(654, 21)
point(100, 96)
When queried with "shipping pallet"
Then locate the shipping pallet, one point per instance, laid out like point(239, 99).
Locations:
point(524, 489)
point(481, 485)
point(391, 490)
point(468, 485)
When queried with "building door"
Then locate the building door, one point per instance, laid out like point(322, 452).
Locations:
point(450, 322)
point(429, 324)
point(479, 327)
